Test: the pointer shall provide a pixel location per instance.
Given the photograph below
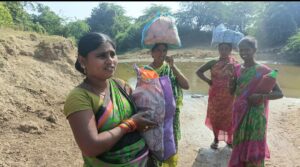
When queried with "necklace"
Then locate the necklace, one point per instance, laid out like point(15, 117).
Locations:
point(154, 66)
point(246, 68)
point(92, 89)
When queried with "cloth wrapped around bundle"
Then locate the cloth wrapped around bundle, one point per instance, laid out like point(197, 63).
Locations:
point(266, 84)
point(162, 29)
point(223, 35)
point(154, 94)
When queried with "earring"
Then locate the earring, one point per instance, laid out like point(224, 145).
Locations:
point(84, 69)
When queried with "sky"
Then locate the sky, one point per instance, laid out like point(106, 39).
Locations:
point(82, 10)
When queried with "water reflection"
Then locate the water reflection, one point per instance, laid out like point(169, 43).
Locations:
point(288, 77)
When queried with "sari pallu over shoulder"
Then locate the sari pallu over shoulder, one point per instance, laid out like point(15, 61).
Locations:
point(131, 149)
point(249, 122)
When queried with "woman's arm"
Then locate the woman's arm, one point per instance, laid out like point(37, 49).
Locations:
point(92, 143)
point(257, 98)
point(182, 81)
point(276, 93)
point(84, 129)
point(200, 72)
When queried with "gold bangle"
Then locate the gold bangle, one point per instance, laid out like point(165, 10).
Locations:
point(131, 124)
point(125, 127)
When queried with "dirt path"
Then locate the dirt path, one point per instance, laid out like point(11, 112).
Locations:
point(283, 135)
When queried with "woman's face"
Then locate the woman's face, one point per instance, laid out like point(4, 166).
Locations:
point(101, 63)
point(159, 53)
point(224, 50)
point(246, 52)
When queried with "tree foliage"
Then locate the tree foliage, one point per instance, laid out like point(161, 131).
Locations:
point(5, 16)
point(293, 45)
point(76, 29)
point(103, 18)
point(21, 18)
point(277, 25)
point(51, 22)
point(272, 23)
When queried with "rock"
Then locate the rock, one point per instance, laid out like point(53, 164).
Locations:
point(30, 127)
point(33, 37)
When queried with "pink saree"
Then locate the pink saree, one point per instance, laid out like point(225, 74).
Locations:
point(220, 101)
point(249, 122)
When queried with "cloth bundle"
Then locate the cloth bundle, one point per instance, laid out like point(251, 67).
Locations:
point(267, 83)
point(154, 94)
point(162, 29)
point(223, 35)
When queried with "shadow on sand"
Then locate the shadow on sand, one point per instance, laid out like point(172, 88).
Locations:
point(212, 158)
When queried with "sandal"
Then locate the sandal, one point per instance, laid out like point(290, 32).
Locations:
point(229, 145)
point(214, 145)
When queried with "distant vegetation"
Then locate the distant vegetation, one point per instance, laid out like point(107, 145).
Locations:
point(274, 24)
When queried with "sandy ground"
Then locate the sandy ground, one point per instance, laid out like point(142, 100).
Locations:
point(283, 135)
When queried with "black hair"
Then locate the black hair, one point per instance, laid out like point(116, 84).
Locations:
point(157, 44)
point(229, 44)
point(251, 41)
point(89, 42)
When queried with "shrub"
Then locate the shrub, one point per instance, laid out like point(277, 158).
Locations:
point(5, 17)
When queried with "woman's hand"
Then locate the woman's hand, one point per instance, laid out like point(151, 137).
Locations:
point(209, 82)
point(143, 122)
point(255, 99)
point(170, 60)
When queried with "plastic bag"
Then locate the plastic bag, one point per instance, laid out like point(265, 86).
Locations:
point(223, 35)
point(154, 95)
point(170, 108)
point(162, 29)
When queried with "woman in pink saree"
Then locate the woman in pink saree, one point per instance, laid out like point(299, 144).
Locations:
point(249, 117)
point(220, 99)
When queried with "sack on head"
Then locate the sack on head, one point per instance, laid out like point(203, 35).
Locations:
point(223, 35)
point(162, 29)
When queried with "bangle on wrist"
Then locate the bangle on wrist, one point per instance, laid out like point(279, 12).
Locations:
point(125, 127)
point(131, 124)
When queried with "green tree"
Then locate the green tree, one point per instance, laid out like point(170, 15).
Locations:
point(20, 17)
point(240, 14)
point(277, 25)
point(49, 20)
point(294, 10)
point(103, 18)
point(292, 48)
point(5, 17)
point(121, 23)
point(201, 15)
point(76, 29)
point(152, 11)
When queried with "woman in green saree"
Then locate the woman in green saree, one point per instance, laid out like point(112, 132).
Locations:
point(249, 117)
point(100, 111)
point(164, 65)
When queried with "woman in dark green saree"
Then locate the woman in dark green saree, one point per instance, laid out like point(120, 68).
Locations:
point(164, 65)
point(100, 111)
